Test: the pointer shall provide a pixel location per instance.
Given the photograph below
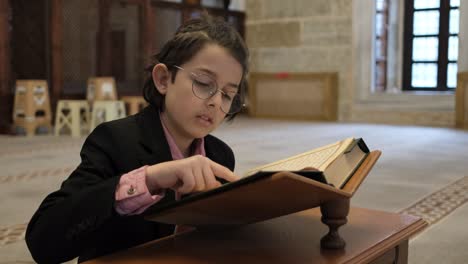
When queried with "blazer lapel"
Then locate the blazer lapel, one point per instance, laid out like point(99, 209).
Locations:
point(152, 138)
point(155, 150)
point(155, 146)
point(212, 153)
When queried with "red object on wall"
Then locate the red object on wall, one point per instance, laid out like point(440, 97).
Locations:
point(282, 75)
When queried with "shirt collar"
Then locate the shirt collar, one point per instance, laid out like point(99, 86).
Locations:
point(197, 147)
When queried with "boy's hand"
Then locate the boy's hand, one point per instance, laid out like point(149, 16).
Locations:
point(194, 174)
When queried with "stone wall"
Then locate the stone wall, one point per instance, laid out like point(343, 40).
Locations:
point(337, 36)
point(395, 106)
point(303, 36)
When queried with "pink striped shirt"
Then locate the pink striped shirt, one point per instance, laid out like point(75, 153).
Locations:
point(132, 195)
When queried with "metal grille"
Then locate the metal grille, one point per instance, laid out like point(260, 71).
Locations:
point(80, 24)
point(28, 40)
point(125, 51)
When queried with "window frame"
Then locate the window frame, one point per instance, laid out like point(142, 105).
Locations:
point(443, 38)
point(381, 62)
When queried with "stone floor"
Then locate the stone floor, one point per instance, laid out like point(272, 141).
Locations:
point(420, 167)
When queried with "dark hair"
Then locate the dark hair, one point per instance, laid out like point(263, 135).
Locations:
point(189, 39)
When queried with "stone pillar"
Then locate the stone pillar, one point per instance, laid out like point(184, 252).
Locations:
point(461, 101)
point(461, 98)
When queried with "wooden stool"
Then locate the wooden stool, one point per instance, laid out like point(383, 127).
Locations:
point(104, 111)
point(134, 104)
point(72, 115)
point(32, 106)
point(101, 89)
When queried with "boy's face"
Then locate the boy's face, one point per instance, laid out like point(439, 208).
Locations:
point(187, 116)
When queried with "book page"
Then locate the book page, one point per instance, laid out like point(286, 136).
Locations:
point(318, 158)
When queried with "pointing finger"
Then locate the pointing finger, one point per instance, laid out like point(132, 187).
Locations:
point(223, 172)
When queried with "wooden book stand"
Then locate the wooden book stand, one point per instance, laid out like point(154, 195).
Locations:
point(280, 194)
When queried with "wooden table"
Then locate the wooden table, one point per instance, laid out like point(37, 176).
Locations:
point(371, 237)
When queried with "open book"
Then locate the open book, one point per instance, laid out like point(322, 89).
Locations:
point(271, 190)
point(335, 163)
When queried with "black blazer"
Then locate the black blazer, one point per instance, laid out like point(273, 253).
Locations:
point(80, 219)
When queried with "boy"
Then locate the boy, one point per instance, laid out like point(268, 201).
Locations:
point(128, 165)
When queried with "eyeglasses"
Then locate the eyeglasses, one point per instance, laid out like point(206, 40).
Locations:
point(205, 87)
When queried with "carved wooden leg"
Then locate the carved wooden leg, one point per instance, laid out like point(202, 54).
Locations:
point(334, 215)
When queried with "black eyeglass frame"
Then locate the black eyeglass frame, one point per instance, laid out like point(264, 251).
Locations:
point(211, 94)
